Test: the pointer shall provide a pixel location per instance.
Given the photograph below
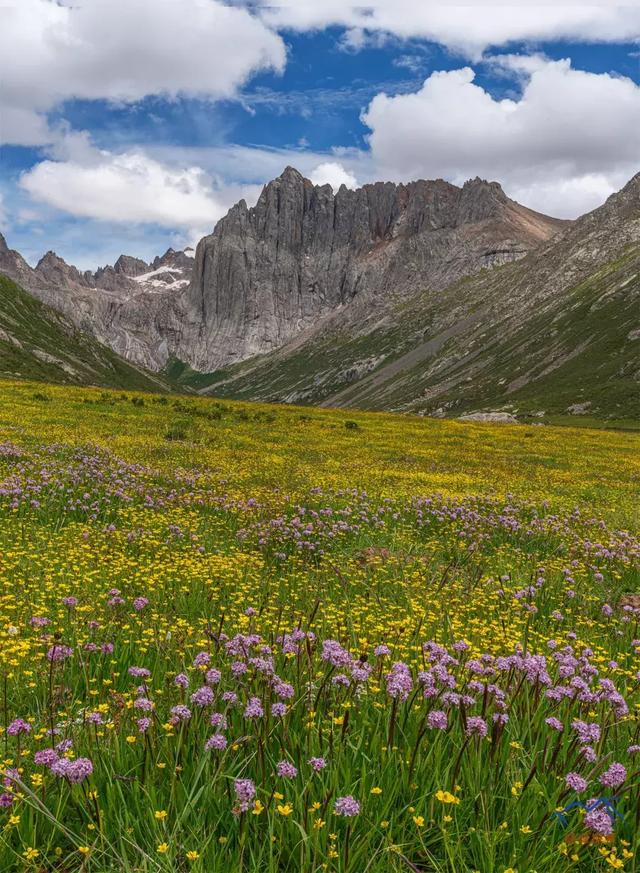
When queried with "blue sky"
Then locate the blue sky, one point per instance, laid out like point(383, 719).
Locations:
point(133, 138)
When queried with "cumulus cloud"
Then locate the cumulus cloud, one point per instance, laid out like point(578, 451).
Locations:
point(123, 50)
point(256, 165)
point(130, 187)
point(547, 146)
point(334, 174)
point(469, 29)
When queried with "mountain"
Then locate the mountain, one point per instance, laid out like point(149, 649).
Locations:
point(118, 305)
point(425, 297)
point(554, 332)
point(268, 273)
point(37, 342)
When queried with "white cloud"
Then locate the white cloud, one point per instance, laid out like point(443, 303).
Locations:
point(20, 126)
point(470, 28)
point(130, 187)
point(569, 140)
point(334, 174)
point(571, 197)
point(122, 50)
point(256, 166)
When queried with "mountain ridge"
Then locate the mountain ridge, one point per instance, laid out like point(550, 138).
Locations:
point(270, 271)
point(40, 344)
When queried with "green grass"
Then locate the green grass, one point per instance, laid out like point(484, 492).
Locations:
point(235, 521)
point(38, 343)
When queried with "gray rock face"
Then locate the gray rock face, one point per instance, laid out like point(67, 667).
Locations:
point(55, 271)
point(128, 266)
point(128, 307)
point(268, 273)
point(12, 264)
point(491, 417)
point(271, 272)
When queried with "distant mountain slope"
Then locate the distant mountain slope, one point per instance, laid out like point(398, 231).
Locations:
point(38, 343)
point(425, 297)
point(119, 305)
point(558, 329)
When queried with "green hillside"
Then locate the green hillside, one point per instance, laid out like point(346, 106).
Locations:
point(40, 344)
point(534, 338)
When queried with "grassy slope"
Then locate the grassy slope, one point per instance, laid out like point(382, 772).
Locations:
point(38, 343)
point(573, 349)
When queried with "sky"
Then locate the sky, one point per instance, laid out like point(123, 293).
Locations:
point(128, 126)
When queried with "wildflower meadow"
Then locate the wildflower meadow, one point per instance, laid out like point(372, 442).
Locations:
point(238, 637)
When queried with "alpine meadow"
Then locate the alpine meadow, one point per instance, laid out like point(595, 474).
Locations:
point(242, 637)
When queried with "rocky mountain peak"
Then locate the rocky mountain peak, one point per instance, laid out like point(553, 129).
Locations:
point(289, 176)
point(174, 260)
point(130, 266)
point(269, 272)
point(3, 244)
point(481, 200)
point(49, 257)
point(54, 270)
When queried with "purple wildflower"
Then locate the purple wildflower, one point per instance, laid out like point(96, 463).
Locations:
point(346, 806)
point(286, 770)
point(217, 741)
point(597, 818)
point(614, 776)
point(201, 659)
point(73, 771)
point(575, 782)
point(202, 696)
point(45, 757)
point(253, 709)
point(181, 712)
point(437, 719)
point(399, 681)
point(58, 652)
point(476, 725)
point(245, 792)
point(18, 726)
